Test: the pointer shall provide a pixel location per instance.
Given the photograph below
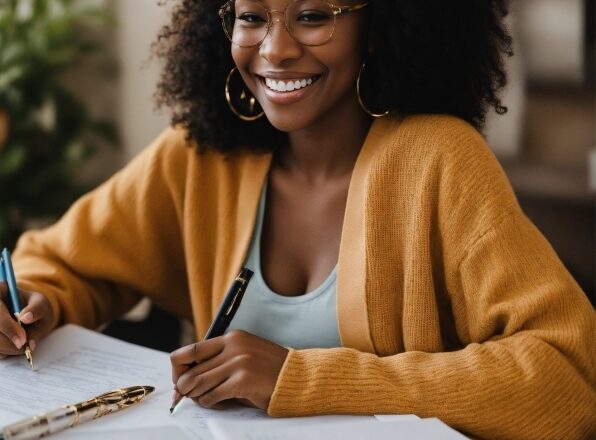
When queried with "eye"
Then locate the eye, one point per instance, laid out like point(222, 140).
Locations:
point(313, 17)
point(247, 17)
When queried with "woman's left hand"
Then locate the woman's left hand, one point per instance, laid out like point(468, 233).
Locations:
point(238, 365)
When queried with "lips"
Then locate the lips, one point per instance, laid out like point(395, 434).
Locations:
point(289, 85)
point(287, 90)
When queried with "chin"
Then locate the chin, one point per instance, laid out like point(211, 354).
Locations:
point(287, 123)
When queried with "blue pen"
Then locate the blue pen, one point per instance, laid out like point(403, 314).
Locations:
point(2, 276)
point(7, 275)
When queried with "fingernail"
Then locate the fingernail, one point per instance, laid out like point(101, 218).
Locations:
point(18, 341)
point(27, 318)
point(32, 345)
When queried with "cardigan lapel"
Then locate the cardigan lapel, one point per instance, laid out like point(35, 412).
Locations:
point(255, 170)
point(352, 311)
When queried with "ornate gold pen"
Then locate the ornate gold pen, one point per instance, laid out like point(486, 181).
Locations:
point(7, 274)
point(72, 415)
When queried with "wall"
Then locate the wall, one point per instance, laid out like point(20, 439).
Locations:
point(139, 23)
point(119, 85)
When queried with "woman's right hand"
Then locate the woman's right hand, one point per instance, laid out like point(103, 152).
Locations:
point(36, 314)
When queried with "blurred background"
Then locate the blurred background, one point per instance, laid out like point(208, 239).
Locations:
point(76, 86)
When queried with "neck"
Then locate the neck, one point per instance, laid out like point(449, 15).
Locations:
point(327, 149)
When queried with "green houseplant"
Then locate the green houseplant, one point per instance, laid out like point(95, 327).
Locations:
point(46, 132)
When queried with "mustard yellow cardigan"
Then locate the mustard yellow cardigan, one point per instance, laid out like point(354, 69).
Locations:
point(450, 302)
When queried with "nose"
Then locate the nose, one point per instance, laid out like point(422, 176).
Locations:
point(279, 45)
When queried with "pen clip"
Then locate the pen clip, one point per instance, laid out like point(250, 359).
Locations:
point(243, 278)
point(123, 397)
point(236, 295)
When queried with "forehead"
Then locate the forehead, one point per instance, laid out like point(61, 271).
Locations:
point(281, 4)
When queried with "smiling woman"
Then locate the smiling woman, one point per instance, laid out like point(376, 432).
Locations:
point(281, 55)
point(421, 57)
point(334, 151)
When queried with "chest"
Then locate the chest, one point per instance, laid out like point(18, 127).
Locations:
point(301, 233)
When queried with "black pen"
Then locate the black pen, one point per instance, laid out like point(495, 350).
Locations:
point(225, 314)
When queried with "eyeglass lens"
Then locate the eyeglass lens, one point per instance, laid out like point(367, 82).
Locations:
point(310, 22)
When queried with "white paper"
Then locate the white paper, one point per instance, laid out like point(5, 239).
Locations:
point(195, 418)
point(395, 417)
point(74, 364)
point(153, 433)
point(428, 429)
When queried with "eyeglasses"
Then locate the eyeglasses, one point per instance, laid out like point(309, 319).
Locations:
point(310, 22)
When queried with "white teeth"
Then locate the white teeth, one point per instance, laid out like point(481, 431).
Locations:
point(281, 86)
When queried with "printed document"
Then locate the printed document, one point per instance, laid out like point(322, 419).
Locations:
point(74, 364)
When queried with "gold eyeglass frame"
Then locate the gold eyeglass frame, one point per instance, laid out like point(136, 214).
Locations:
point(336, 9)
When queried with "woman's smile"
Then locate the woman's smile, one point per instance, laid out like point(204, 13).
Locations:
point(301, 86)
point(287, 90)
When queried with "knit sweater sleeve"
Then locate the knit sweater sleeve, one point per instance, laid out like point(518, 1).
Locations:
point(528, 372)
point(115, 244)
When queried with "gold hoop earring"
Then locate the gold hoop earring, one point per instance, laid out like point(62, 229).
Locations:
point(374, 115)
point(252, 101)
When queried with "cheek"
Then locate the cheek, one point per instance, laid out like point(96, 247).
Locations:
point(242, 58)
point(239, 55)
point(343, 57)
point(343, 65)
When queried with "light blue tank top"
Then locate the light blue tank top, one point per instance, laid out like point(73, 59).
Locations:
point(305, 321)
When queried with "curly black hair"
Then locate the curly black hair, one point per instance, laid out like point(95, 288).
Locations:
point(429, 56)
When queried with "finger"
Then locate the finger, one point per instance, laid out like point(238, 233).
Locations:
point(217, 395)
point(7, 347)
point(201, 368)
point(10, 328)
point(35, 333)
point(197, 352)
point(207, 365)
point(176, 397)
point(36, 308)
point(219, 406)
point(184, 357)
point(197, 385)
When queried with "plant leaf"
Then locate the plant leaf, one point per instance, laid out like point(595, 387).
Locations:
point(11, 159)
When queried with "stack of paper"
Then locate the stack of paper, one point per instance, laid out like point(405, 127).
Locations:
point(74, 364)
point(427, 429)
